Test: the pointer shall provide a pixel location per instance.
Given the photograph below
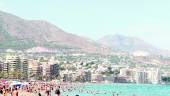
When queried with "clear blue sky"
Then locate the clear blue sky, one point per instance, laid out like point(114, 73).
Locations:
point(146, 19)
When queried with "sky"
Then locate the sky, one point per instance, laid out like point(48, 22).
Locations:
point(145, 19)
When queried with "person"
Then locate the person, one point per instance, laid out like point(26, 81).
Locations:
point(1, 92)
point(11, 92)
point(117, 94)
point(39, 94)
point(48, 91)
point(15, 92)
point(58, 91)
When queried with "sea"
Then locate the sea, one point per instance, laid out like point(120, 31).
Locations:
point(120, 90)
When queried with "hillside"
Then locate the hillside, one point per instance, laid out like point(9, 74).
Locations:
point(17, 33)
point(130, 45)
point(21, 34)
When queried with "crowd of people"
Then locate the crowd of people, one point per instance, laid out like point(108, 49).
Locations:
point(4, 91)
point(51, 89)
point(44, 89)
point(31, 89)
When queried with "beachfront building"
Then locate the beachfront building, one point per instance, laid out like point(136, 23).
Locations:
point(13, 62)
point(141, 76)
point(50, 70)
point(68, 76)
point(4, 66)
point(154, 75)
point(54, 71)
point(1, 66)
point(45, 70)
point(97, 77)
point(24, 68)
point(34, 69)
point(15, 66)
point(87, 76)
point(75, 76)
point(54, 68)
point(127, 74)
point(109, 78)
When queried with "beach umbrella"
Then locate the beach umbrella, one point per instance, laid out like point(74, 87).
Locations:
point(25, 83)
point(15, 83)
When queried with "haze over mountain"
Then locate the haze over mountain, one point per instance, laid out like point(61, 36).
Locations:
point(18, 33)
point(130, 45)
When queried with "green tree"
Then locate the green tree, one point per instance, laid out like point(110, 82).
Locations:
point(166, 79)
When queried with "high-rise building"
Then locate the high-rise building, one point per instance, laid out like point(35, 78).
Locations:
point(50, 70)
point(13, 62)
point(34, 68)
point(54, 71)
point(24, 67)
point(154, 75)
point(16, 66)
point(128, 74)
point(5, 67)
point(1, 65)
point(141, 76)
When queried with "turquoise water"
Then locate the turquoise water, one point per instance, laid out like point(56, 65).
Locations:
point(122, 90)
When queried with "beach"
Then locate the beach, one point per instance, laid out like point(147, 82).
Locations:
point(86, 89)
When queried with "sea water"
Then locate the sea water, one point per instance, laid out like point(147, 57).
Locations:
point(121, 90)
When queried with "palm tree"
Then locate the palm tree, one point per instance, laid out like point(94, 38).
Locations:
point(1, 74)
point(16, 74)
point(5, 75)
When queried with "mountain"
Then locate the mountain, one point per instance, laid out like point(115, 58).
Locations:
point(37, 35)
point(18, 33)
point(130, 45)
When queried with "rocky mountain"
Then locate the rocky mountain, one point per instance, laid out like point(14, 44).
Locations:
point(130, 45)
point(17, 33)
